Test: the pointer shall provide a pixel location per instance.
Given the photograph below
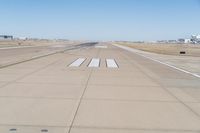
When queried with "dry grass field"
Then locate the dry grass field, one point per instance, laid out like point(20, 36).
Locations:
point(168, 49)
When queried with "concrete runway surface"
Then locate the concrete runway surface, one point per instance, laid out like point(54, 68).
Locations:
point(102, 89)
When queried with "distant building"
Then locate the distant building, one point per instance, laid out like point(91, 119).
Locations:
point(182, 40)
point(162, 41)
point(195, 39)
point(6, 37)
point(23, 38)
point(172, 41)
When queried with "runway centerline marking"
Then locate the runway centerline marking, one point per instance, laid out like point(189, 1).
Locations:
point(95, 62)
point(111, 63)
point(77, 62)
point(166, 64)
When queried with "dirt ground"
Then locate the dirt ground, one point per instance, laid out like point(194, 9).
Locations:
point(6, 43)
point(168, 49)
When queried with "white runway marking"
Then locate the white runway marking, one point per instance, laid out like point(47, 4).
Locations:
point(101, 46)
point(171, 66)
point(77, 62)
point(111, 63)
point(95, 62)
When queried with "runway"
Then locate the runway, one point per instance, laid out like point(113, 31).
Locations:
point(15, 55)
point(97, 88)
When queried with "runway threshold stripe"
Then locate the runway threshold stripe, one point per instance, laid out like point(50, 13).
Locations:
point(111, 63)
point(77, 62)
point(95, 62)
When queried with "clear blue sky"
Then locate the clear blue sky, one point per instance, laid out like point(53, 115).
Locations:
point(100, 19)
